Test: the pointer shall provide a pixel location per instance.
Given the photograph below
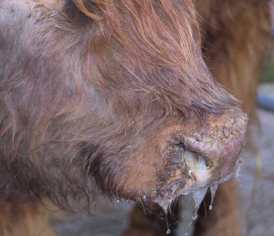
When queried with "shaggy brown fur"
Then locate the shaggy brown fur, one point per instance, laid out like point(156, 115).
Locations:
point(85, 99)
point(110, 94)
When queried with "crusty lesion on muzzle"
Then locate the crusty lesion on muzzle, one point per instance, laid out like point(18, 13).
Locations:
point(200, 155)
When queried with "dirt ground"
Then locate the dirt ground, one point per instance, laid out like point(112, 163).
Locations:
point(112, 219)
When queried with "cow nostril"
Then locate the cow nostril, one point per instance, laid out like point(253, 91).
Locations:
point(197, 165)
point(181, 145)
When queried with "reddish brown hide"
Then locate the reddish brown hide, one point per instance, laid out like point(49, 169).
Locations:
point(110, 96)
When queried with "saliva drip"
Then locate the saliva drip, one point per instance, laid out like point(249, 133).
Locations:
point(166, 207)
point(168, 231)
point(167, 225)
point(198, 197)
point(213, 189)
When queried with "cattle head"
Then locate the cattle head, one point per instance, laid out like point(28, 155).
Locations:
point(114, 93)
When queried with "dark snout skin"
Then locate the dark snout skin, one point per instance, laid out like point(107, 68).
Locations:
point(219, 142)
point(200, 156)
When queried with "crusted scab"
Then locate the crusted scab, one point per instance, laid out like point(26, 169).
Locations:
point(226, 131)
point(230, 126)
point(174, 156)
point(211, 133)
point(237, 127)
point(173, 172)
point(195, 159)
point(173, 175)
point(198, 137)
point(176, 139)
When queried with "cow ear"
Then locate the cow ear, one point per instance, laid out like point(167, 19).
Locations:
point(92, 8)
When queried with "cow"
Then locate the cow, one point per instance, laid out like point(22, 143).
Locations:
point(111, 97)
